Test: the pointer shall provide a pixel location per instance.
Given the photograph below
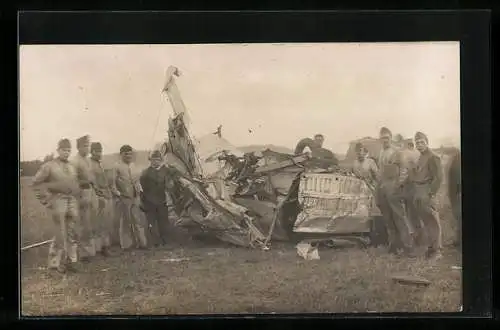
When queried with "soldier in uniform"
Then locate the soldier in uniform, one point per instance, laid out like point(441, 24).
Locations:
point(412, 155)
point(455, 193)
point(103, 223)
point(57, 188)
point(128, 191)
point(426, 179)
point(156, 186)
point(393, 175)
point(86, 200)
point(363, 166)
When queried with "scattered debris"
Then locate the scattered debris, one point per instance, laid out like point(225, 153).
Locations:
point(99, 294)
point(173, 259)
point(36, 245)
point(456, 267)
point(411, 280)
point(105, 269)
point(307, 251)
point(53, 294)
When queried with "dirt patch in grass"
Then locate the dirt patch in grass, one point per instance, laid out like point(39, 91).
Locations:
point(215, 279)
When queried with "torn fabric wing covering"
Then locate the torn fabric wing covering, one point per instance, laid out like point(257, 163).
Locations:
point(334, 203)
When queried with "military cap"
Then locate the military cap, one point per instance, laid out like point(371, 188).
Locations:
point(82, 140)
point(64, 143)
point(96, 146)
point(125, 148)
point(156, 154)
point(422, 136)
point(385, 131)
point(358, 146)
point(319, 135)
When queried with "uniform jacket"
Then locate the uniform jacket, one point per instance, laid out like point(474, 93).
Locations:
point(427, 171)
point(55, 179)
point(393, 169)
point(102, 185)
point(455, 175)
point(126, 178)
point(83, 171)
point(366, 169)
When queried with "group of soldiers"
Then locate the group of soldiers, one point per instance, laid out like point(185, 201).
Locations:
point(87, 203)
point(406, 185)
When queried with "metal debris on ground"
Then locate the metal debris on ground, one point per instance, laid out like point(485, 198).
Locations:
point(173, 259)
point(456, 267)
point(55, 294)
point(307, 251)
point(411, 280)
point(36, 245)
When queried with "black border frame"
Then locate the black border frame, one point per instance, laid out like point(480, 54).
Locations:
point(470, 27)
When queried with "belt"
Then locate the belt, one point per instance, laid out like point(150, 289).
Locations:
point(421, 182)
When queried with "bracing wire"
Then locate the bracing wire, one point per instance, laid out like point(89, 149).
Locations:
point(157, 121)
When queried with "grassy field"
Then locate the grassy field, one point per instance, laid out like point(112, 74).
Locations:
point(194, 278)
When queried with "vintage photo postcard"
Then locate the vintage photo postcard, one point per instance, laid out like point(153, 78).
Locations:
point(240, 178)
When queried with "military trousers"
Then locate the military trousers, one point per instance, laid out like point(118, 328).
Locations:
point(391, 203)
point(63, 249)
point(456, 207)
point(426, 210)
point(419, 236)
point(103, 223)
point(132, 227)
point(455, 196)
point(87, 226)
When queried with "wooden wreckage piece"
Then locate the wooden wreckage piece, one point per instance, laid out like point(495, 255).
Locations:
point(34, 245)
point(223, 219)
point(226, 220)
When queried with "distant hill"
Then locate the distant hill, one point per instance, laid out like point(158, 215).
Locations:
point(261, 147)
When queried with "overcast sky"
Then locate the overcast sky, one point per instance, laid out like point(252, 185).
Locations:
point(282, 92)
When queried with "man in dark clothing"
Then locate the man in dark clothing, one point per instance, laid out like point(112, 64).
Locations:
point(321, 156)
point(156, 199)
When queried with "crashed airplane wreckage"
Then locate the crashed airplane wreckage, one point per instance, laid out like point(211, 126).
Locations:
point(251, 200)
